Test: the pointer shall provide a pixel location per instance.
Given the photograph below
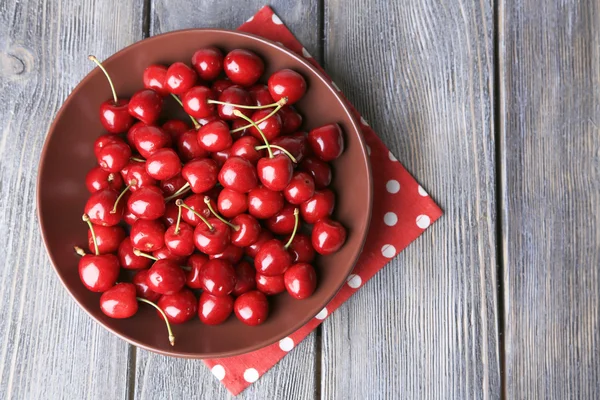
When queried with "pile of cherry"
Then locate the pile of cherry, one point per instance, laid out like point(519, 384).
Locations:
point(223, 209)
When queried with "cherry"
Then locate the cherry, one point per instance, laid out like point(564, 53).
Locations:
point(238, 174)
point(201, 174)
point(195, 102)
point(140, 280)
point(149, 139)
point(290, 120)
point(320, 171)
point(147, 203)
point(231, 203)
point(301, 249)
point(328, 236)
point(155, 77)
point(239, 128)
point(252, 308)
point(263, 237)
point(196, 263)
point(264, 203)
point(165, 254)
point(99, 208)
point(300, 280)
point(275, 172)
point(131, 132)
point(232, 254)
point(113, 113)
point(269, 124)
point(221, 84)
point(129, 217)
point(175, 128)
point(114, 156)
point(244, 278)
point(179, 307)
point(179, 239)
point(163, 164)
point(147, 235)
point(108, 238)
point(296, 145)
point(145, 105)
point(283, 222)
point(188, 146)
point(326, 141)
point(243, 67)
point(103, 141)
point(220, 157)
point(217, 277)
point(245, 147)
point(119, 301)
point(166, 277)
point(171, 212)
point(195, 205)
point(208, 63)
point(98, 272)
point(270, 285)
point(180, 78)
point(260, 95)
point(174, 186)
point(215, 136)
point(300, 189)
point(212, 237)
point(99, 179)
point(128, 259)
point(245, 228)
point(232, 97)
point(317, 207)
point(136, 176)
point(287, 83)
point(214, 310)
point(273, 257)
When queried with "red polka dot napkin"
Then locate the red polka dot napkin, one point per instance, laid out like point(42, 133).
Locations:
point(402, 210)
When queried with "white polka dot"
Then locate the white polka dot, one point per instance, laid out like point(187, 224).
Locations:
point(276, 20)
point(354, 281)
point(286, 344)
point(423, 221)
point(322, 314)
point(388, 250)
point(250, 19)
point(422, 191)
point(335, 86)
point(390, 218)
point(392, 157)
point(363, 121)
point(251, 375)
point(305, 53)
point(392, 186)
point(218, 371)
point(368, 150)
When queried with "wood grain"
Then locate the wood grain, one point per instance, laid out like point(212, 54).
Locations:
point(49, 348)
point(550, 104)
point(425, 326)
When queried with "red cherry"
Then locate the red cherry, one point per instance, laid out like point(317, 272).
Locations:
point(131, 133)
point(180, 78)
point(260, 95)
point(252, 308)
point(238, 174)
point(320, 171)
point(175, 128)
point(300, 280)
point(215, 136)
point(263, 237)
point(163, 164)
point(272, 258)
point(128, 259)
point(196, 203)
point(179, 307)
point(165, 254)
point(300, 189)
point(99, 179)
point(271, 127)
point(114, 156)
point(140, 280)
point(146, 106)
point(114, 116)
point(188, 146)
point(243, 67)
point(99, 208)
point(147, 235)
point(234, 95)
point(212, 241)
point(317, 207)
point(244, 278)
point(264, 203)
point(136, 176)
point(328, 236)
point(195, 102)
point(170, 186)
point(201, 174)
point(195, 262)
point(232, 203)
point(120, 301)
point(180, 242)
point(270, 285)
point(166, 277)
point(103, 141)
point(208, 63)
point(301, 249)
point(214, 310)
point(232, 254)
point(221, 84)
point(98, 273)
point(291, 120)
point(296, 144)
point(108, 238)
point(155, 77)
point(220, 157)
point(327, 141)
point(129, 217)
point(171, 212)
point(283, 222)
point(239, 128)
point(275, 172)
point(218, 277)
point(149, 139)
point(287, 83)
point(247, 232)
point(147, 203)
point(245, 147)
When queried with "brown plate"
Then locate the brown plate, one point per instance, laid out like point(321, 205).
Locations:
point(68, 155)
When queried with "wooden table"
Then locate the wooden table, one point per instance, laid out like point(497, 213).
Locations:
point(493, 105)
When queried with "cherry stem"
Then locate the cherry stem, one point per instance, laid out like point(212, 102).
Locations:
point(132, 182)
point(180, 203)
point(296, 221)
point(137, 159)
point(140, 253)
point(86, 218)
point(216, 214)
point(112, 87)
point(283, 150)
point(178, 219)
point(171, 336)
point(279, 104)
point(239, 114)
point(241, 128)
point(194, 120)
point(79, 251)
point(184, 189)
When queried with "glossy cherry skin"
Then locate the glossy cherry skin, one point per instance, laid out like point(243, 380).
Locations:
point(119, 301)
point(270, 127)
point(243, 67)
point(149, 139)
point(129, 217)
point(275, 173)
point(234, 95)
point(166, 277)
point(146, 105)
point(188, 146)
point(270, 285)
point(264, 203)
point(179, 307)
point(239, 128)
point(328, 236)
point(170, 216)
point(231, 203)
point(147, 235)
point(296, 144)
point(165, 254)
point(127, 258)
point(132, 131)
point(326, 141)
point(175, 128)
point(220, 157)
point(232, 254)
point(301, 249)
point(218, 277)
point(300, 189)
point(238, 174)
point(201, 174)
point(291, 120)
point(317, 207)
point(252, 308)
point(163, 164)
point(247, 232)
point(221, 84)
point(172, 185)
point(320, 171)
point(103, 141)
point(208, 63)
point(99, 208)
point(181, 243)
point(147, 203)
point(272, 258)
point(195, 102)
point(98, 273)
point(195, 262)
point(300, 280)
point(245, 147)
point(263, 237)
point(108, 238)
point(114, 156)
point(115, 117)
point(213, 241)
point(155, 77)
point(180, 78)
point(283, 222)
point(196, 203)
point(136, 172)
point(215, 136)
point(99, 179)
point(260, 95)
point(287, 83)
point(214, 310)
point(244, 278)
point(140, 280)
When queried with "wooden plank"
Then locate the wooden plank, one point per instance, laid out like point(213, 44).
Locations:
point(426, 325)
point(158, 377)
point(49, 348)
point(550, 103)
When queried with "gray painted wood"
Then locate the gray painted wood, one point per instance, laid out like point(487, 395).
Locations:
point(426, 326)
point(550, 103)
point(49, 348)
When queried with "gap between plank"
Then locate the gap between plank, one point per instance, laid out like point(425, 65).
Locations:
point(132, 360)
point(146, 11)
